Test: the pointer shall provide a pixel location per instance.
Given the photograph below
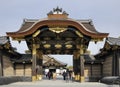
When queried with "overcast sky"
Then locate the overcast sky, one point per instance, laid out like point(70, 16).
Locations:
point(104, 13)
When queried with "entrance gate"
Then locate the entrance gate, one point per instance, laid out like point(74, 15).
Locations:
point(57, 34)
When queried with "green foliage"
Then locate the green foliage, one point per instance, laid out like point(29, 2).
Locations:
point(70, 67)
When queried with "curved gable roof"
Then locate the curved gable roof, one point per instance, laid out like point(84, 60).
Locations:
point(84, 26)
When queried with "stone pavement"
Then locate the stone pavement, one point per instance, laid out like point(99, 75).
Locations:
point(56, 83)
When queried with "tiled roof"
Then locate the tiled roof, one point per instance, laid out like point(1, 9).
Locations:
point(90, 58)
point(4, 40)
point(22, 58)
point(111, 44)
point(88, 24)
point(113, 41)
point(46, 58)
point(27, 23)
point(54, 61)
point(28, 57)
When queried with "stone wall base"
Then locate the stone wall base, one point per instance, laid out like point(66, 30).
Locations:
point(8, 80)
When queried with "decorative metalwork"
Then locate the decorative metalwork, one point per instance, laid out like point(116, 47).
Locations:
point(57, 29)
point(58, 11)
point(47, 45)
point(68, 46)
point(58, 45)
point(36, 33)
point(78, 33)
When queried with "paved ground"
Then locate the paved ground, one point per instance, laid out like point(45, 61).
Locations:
point(56, 83)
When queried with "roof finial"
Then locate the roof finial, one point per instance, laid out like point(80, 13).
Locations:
point(64, 12)
point(57, 11)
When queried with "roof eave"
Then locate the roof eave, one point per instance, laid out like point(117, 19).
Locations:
point(49, 22)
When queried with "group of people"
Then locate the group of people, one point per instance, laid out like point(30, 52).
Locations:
point(51, 75)
point(68, 75)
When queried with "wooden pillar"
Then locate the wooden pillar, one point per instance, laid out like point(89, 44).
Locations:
point(24, 68)
point(82, 78)
point(91, 69)
point(14, 67)
point(76, 66)
point(119, 60)
point(34, 77)
point(79, 58)
point(1, 69)
point(74, 63)
point(39, 66)
point(102, 69)
point(115, 64)
point(119, 64)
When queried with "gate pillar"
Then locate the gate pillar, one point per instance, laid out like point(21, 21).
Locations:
point(39, 65)
point(76, 66)
point(82, 78)
point(1, 69)
point(34, 54)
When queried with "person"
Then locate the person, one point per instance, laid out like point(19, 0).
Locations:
point(73, 76)
point(70, 75)
point(64, 75)
point(49, 75)
point(54, 75)
point(46, 74)
point(67, 76)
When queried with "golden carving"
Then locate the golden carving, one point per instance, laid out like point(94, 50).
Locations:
point(82, 79)
point(81, 51)
point(78, 33)
point(58, 45)
point(77, 77)
point(68, 46)
point(58, 29)
point(34, 78)
point(47, 45)
point(39, 77)
point(36, 33)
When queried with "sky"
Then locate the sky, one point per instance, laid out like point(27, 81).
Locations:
point(105, 15)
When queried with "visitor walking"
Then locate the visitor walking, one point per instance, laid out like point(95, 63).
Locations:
point(64, 75)
point(73, 76)
point(49, 75)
